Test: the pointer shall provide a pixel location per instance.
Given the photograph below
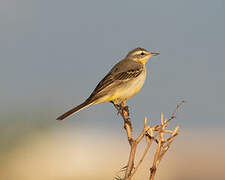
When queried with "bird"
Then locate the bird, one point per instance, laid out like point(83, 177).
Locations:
point(123, 81)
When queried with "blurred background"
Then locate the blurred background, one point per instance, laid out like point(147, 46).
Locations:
point(52, 55)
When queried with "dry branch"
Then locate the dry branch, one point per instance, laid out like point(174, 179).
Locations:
point(152, 134)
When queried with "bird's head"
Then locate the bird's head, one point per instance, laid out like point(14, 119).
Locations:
point(140, 55)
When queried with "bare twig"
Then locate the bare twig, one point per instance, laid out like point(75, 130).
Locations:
point(161, 148)
point(124, 112)
point(142, 157)
point(151, 133)
point(157, 154)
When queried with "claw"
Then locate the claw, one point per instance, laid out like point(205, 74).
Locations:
point(117, 106)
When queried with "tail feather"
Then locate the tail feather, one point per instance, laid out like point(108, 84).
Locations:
point(74, 110)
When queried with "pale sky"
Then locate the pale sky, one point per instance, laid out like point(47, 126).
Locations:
point(53, 53)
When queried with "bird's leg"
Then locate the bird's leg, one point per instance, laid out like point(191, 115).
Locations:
point(120, 108)
point(117, 106)
point(123, 110)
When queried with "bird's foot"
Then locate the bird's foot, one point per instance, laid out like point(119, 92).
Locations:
point(123, 109)
point(118, 107)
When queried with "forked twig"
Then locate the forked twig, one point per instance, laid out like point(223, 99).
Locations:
point(152, 134)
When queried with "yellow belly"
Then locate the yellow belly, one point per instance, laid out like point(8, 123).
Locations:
point(129, 89)
point(123, 91)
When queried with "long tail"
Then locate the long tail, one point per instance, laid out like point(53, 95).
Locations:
point(75, 110)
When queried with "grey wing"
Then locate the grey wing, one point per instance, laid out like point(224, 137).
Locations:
point(130, 74)
point(115, 76)
point(105, 82)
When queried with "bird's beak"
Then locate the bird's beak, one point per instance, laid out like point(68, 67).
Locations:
point(154, 54)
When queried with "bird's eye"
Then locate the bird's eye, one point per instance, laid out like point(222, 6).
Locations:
point(142, 53)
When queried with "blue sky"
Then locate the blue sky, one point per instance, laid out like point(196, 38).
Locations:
point(53, 53)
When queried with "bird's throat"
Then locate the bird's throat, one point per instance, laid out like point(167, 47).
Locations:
point(143, 61)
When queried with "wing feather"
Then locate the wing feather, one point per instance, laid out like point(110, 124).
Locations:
point(113, 77)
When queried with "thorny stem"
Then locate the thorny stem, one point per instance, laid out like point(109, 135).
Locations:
point(155, 162)
point(124, 112)
point(133, 144)
point(142, 157)
point(151, 133)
